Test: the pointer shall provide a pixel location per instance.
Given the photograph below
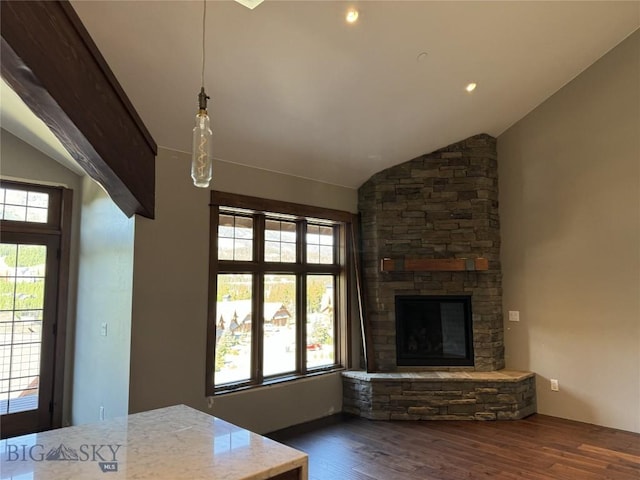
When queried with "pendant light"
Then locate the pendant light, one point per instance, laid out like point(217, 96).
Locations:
point(201, 159)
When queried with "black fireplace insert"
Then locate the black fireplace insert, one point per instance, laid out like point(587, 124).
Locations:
point(434, 330)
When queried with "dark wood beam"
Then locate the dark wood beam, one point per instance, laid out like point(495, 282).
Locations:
point(434, 264)
point(52, 63)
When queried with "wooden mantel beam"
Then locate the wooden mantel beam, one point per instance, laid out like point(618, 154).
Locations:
point(434, 264)
point(52, 63)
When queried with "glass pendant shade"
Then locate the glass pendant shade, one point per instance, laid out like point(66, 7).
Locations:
point(201, 161)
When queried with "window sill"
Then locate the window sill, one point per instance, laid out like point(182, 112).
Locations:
point(243, 387)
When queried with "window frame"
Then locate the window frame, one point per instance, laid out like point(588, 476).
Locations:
point(261, 210)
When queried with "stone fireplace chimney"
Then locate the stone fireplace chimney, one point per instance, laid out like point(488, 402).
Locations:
point(442, 205)
point(419, 218)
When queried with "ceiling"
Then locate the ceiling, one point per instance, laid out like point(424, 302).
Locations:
point(296, 89)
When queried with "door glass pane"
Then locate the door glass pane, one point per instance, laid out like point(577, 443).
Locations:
point(233, 328)
point(279, 324)
point(320, 320)
point(22, 272)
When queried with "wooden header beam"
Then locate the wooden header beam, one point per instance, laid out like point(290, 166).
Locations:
point(52, 63)
point(434, 265)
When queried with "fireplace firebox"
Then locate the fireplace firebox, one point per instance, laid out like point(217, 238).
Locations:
point(434, 330)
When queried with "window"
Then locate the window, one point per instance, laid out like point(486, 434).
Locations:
point(34, 253)
point(24, 205)
point(278, 290)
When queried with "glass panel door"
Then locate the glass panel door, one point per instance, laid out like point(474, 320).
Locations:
point(22, 281)
point(27, 323)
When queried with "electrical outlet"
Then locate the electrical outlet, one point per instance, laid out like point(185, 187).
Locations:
point(554, 385)
point(514, 316)
point(101, 412)
point(103, 329)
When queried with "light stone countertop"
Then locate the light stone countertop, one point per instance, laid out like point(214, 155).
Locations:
point(172, 443)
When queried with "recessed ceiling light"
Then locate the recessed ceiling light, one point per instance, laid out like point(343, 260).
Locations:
point(470, 87)
point(250, 4)
point(352, 15)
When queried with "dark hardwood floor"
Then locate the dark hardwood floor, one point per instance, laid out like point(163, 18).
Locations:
point(538, 447)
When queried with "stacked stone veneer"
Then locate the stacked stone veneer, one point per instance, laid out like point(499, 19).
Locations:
point(440, 396)
point(440, 205)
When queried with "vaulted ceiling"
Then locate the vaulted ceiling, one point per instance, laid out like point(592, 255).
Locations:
point(296, 89)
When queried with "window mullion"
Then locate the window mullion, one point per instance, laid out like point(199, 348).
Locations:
point(301, 316)
point(257, 323)
point(340, 308)
point(212, 303)
point(341, 296)
point(323, 268)
point(258, 239)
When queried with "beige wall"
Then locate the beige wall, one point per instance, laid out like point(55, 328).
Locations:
point(570, 212)
point(101, 368)
point(168, 337)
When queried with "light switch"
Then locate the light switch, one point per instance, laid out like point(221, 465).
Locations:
point(514, 316)
point(103, 329)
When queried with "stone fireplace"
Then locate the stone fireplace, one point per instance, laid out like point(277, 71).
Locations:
point(442, 205)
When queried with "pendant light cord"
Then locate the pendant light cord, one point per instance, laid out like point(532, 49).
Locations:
point(204, 18)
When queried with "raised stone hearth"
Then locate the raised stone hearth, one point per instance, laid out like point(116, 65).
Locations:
point(503, 395)
point(440, 206)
